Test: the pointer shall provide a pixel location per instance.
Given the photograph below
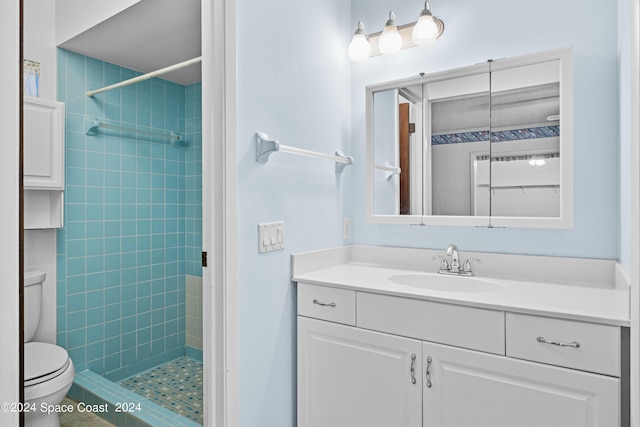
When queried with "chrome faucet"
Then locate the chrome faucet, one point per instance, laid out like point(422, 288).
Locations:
point(452, 266)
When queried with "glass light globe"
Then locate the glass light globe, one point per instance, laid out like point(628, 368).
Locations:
point(359, 48)
point(425, 31)
point(390, 40)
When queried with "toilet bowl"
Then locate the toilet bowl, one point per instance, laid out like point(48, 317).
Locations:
point(48, 370)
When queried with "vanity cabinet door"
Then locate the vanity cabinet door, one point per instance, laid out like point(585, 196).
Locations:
point(464, 388)
point(349, 377)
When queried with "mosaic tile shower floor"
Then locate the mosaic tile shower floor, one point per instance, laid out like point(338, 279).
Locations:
point(176, 385)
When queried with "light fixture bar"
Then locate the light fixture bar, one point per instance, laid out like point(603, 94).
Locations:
point(405, 33)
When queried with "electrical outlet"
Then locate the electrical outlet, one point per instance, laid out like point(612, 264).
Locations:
point(346, 228)
point(270, 236)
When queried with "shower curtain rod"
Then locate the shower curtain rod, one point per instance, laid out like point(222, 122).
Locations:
point(147, 76)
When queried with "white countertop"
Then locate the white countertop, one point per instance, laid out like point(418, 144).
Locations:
point(592, 304)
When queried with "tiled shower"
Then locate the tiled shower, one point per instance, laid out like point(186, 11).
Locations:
point(132, 233)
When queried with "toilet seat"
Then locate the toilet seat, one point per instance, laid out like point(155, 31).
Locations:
point(43, 362)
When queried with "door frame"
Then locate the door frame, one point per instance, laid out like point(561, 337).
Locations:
point(10, 261)
point(220, 213)
point(634, 62)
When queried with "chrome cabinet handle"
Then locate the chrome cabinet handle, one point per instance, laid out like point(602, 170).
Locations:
point(324, 304)
point(429, 360)
point(574, 344)
point(413, 365)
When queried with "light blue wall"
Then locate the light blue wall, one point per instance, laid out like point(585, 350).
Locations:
point(477, 31)
point(293, 83)
point(624, 25)
point(129, 219)
point(296, 84)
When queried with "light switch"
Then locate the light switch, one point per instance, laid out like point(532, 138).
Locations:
point(270, 236)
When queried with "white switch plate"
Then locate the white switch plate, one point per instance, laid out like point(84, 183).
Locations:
point(270, 236)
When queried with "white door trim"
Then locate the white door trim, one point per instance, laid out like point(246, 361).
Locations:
point(219, 216)
point(9, 214)
point(634, 61)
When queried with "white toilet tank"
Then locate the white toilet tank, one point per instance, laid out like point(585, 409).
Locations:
point(32, 302)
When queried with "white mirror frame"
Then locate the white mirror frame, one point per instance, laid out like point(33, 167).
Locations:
point(564, 220)
point(370, 154)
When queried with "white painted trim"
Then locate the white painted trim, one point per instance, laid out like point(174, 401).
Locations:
point(565, 220)
point(219, 177)
point(230, 110)
point(9, 214)
point(634, 156)
point(370, 156)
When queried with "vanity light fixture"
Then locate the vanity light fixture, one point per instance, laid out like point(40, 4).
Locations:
point(393, 38)
point(427, 29)
point(359, 48)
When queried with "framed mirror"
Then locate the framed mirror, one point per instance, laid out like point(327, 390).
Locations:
point(480, 145)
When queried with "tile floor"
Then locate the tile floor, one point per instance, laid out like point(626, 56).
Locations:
point(176, 385)
point(80, 419)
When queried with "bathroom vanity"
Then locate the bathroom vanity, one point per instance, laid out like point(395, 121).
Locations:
point(529, 341)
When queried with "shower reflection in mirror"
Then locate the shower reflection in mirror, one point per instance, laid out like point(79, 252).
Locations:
point(481, 141)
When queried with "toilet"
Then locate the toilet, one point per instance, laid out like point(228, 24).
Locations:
point(48, 370)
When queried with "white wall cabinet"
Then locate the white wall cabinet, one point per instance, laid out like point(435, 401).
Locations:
point(43, 144)
point(43, 165)
point(350, 375)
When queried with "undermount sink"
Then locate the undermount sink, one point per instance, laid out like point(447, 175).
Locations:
point(438, 282)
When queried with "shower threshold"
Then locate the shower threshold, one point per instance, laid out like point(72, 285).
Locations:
point(125, 407)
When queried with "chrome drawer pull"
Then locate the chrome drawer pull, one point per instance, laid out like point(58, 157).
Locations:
point(429, 360)
point(324, 304)
point(574, 344)
point(413, 365)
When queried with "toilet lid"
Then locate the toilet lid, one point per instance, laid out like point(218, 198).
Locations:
point(43, 361)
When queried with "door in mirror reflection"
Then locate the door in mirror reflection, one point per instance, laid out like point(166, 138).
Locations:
point(397, 131)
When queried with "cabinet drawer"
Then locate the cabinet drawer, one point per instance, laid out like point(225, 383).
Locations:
point(466, 327)
point(332, 304)
point(572, 344)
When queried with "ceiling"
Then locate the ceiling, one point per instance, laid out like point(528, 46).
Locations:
point(150, 35)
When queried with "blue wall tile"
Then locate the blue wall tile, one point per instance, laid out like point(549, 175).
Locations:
point(122, 255)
